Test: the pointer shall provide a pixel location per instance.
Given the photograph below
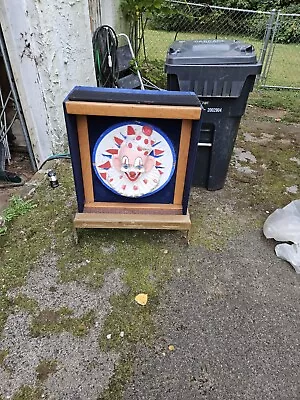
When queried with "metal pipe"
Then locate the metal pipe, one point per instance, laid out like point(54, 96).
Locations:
point(17, 101)
point(280, 87)
point(290, 15)
point(266, 42)
point(219, 7)
point(272, 48)
point(133, 58)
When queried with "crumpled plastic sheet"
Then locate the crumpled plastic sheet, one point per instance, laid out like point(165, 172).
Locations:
point(290, 253)
point(283, 225)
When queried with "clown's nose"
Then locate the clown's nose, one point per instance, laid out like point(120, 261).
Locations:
point(132, 174)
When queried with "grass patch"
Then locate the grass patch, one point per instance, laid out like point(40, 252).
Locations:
point(285, 63)
point(268, 188)
point(158, 42)
point(16, 207)
point(284, 70)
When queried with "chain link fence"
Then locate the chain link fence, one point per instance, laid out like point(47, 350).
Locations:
point(282, 59)
point(191, 21)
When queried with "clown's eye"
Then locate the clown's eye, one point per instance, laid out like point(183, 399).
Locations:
point(138, 163)
point(125, 162)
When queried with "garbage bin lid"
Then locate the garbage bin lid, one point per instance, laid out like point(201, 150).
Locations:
point(210, 52)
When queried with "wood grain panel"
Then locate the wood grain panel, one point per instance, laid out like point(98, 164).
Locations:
point(127, 221)
point(132, 110)
point(133, 208)
point(184, 146)
point(85, 157)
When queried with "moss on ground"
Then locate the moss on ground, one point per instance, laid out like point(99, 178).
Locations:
point(217, 225)
point(46, 368)
point(122, 375)
point(34, 234)
point(25, 303)
point(49, 322)
point(28, 393)
point(3, 355)
point(288, 100)
point(266, 189)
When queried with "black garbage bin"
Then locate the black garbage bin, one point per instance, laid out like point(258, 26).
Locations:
point(222, 73)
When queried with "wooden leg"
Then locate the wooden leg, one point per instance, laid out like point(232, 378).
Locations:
point(188, 236)
point(75, 235)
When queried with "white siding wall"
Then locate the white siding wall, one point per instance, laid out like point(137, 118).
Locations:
point(49, 45)
point(110, 15)
point(107, 12)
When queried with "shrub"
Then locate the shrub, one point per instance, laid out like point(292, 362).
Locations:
point(289, 29)
point(189, 18)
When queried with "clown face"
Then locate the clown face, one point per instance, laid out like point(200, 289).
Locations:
point(133, 160)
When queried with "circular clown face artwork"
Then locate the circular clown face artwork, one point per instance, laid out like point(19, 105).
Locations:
point(134, 159)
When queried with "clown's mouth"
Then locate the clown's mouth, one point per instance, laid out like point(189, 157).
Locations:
point(133, 176)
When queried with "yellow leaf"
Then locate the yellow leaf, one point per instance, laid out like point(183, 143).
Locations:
point(141, 299)
point(171, 347)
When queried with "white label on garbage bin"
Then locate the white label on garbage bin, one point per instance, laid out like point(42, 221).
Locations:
point(214, 109)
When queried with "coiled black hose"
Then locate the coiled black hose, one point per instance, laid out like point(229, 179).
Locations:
point(105, 44)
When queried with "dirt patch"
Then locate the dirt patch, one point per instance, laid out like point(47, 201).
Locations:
point(270, 122)
point(275, 114)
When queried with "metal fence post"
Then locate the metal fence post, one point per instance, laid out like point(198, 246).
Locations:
point(271, 49)
point(266, 41)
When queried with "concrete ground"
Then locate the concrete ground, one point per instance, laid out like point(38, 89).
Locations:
point(222, 319)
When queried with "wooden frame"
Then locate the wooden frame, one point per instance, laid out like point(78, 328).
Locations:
point(132, 110)
point(136, 215)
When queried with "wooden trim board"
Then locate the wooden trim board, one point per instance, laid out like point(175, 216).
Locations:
point(132, 110)
point(85, 157)
point(127, 221)
point(132, 208)
point(183, 154)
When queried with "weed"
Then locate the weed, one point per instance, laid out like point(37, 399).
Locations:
point(16, 207)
